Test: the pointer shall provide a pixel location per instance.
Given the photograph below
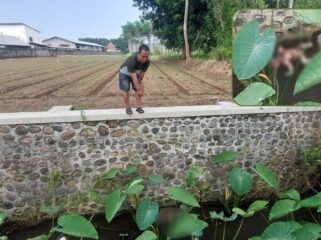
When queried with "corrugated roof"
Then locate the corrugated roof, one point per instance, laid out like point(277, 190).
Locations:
point(75, 41)
point(11, 41)
point(19, 24)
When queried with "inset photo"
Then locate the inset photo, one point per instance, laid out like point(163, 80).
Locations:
point(276, 57)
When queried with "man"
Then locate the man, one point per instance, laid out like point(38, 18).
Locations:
point(132, 72)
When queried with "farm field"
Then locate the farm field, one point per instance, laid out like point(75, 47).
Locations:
point(37, 84)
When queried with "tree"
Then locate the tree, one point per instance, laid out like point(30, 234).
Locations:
point(187, 52)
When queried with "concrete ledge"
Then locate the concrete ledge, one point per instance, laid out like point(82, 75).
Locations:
point(157, 112)
point(60, 108)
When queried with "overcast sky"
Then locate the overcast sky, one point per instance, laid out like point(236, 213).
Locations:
point(71, 18)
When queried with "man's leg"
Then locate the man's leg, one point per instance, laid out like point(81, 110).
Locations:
point(125, 87)
point(126, 99)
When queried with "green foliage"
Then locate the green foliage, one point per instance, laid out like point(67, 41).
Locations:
point(77, 226)
point(113, 204)
point(310, 76)
point(241, 181)
point(267, 175)
point(226, 156)
point(282, 208)
point(312, 156)
point(181, 195)
point(156, 179)
point(186, 225)
point(3, 217)
point(291, 194)
point(256, 206)
point(251, 50)
point(221, 216)
point(311, 202)
point(146, 213)
point(147, 235)
point(254, 94)
point(134, 187)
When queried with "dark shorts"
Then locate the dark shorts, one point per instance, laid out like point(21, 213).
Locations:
point(125, 81)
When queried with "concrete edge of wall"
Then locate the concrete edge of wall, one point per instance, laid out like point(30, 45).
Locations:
point(224, 108)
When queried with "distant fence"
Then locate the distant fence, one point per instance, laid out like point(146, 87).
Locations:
point(46, 52)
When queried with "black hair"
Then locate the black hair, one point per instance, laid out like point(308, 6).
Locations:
point(143, 47)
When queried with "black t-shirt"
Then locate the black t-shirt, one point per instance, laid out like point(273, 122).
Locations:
point(134, 65)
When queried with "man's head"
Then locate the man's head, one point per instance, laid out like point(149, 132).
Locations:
point(143, 53)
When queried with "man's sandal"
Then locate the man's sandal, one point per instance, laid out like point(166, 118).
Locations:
point(129, 111)
point(140, 110)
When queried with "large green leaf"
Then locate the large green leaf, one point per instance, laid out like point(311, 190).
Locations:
point(254, 94)
point(278, 231)
point(310, 16)
point(181, 195)
point(113, 203)
point(291, 194)
point(303, 234)
point(110, 174)
point(193, 173)
point(3, 217)
point(257, 205)
point(226, 156)
point(77, 226)
point(241, 181)
point(134, 187)
point(156, 179)
point(310, 76)
point(282, 208)
point(312, 202)
point(146, 213)
point(251, 50)
point(147, 235)
point(129, 170)
point(307, 104)
point(313, 228)
point(221, 216)
point(266, 174)
point(186, 225)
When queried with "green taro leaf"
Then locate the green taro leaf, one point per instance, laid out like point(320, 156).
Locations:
point(307, 104)
point(3, 217)
point(181, 195)
point(242, 213)
point(156, 179)
point(110, 174)
point(282, 208)
point(310, 16)
point(113, 203)
point(226, 156)
point(129, 170)
point(41, 237)
point(134, 187)
point(241, 181)
point(186, 225)
point(278, 231)
point(267, 175)
point(252, 51)
point(221, 216)
point(254, 94)
point(146, 213)
point(258, 205)
point(312, 202)
point(303, 234)
point(77, 226)
point(192, 174)
point(147, 235)
point(291, 194)
point(310, 76)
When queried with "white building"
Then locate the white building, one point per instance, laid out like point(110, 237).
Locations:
point(23, 32)
point(62, 43)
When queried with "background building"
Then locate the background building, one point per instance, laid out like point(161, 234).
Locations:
point(62, 43)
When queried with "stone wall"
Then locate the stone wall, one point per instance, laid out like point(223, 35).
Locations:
point(160, 146)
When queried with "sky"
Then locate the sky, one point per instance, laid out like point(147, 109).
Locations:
point(71, 19)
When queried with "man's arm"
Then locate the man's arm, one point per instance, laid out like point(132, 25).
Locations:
point(136, 81)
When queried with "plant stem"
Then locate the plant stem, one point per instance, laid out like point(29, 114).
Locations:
point(224, 231)
point(267, 221)
point(312, 216)
point(238, 230)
